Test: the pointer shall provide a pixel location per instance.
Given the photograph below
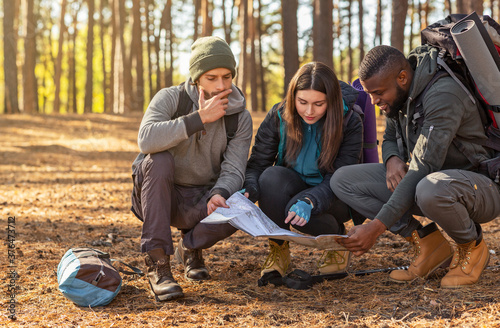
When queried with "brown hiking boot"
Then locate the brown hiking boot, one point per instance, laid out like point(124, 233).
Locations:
point(192, 259)
point(334, 261)
point(469, 261)
point(163, 285)
point(278, 258)
point(431, 250)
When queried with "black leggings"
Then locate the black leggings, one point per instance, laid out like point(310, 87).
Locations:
point(280, 187)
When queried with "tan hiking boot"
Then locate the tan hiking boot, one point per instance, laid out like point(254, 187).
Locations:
point(163, 285)
point(192, 259)
point(334, 261)
point(469, 261)
point(430, 252)
point(278, 258)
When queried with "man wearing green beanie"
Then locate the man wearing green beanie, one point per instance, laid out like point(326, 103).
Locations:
point(190, 163)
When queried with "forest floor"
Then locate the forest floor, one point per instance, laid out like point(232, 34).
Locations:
point(67, 181)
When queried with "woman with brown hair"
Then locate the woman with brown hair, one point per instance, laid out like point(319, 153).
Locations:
point(298, 146)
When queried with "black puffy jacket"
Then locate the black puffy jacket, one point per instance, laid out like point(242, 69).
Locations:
point(265, 152)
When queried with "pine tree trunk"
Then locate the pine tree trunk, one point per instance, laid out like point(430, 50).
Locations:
point(136, 57)
point(150, 34)
point(412, 21)
point(361, 33)
point(290, 39)
point(399, 12)
point(58, 63)
point(10, 55)
point(206, 15)
point(349, 42)
point(378, 25)
point(197, 10)
point(89, 87)
point(253, 60)
point(242, 75)
point(102, 34)
point(125, 60)
point(261, 65)
point(30, 85)
point(323, 32)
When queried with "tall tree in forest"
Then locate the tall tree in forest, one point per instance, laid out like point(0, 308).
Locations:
point(72, 90)
point(253, 58)
point(350, 65)
point(262, 82)
point(207, 26)
point(115, 76)
point(10, 54)
point(89, 83)
point(477, 6)
point(227, 25)
point(166, 25)
point(447, 7)
point(136, 57)
point(411, 10)
point(399, 12)
point(460, 4)
point(149, 35)
point(361, 32)
point(340, 31)
point(125, 60)
point(102, 33)
point(323, 32)
point(30, 85)
point(378, 24)
point(242, 74)
point(58, 63)
point(197, 11)
point(290, 39)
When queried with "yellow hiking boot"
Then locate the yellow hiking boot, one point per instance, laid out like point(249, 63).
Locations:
point(469, 261)
point(430, 252)
point(278, 258)
point(334, 261)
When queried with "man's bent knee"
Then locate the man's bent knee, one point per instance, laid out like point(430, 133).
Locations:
point(159, 164)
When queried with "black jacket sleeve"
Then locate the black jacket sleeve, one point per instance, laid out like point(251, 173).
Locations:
point(264, 152)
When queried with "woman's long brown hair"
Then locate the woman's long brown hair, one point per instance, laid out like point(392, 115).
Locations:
point(315, 76)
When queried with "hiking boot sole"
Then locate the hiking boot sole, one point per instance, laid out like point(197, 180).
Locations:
point(166, 297)
point(443, 264)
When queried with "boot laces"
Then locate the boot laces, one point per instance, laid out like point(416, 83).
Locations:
point(332, 257)
point(162, 269)
point(276, 256)
point(462, 255)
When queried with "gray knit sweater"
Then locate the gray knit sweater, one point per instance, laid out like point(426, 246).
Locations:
point(201, 152)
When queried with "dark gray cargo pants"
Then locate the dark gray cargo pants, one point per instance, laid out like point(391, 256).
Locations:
point(160, 204)
point(454, 199)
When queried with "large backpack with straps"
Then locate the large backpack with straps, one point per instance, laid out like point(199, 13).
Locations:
point(451, 63)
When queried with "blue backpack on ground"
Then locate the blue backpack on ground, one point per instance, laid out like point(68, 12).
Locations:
point(87, 277)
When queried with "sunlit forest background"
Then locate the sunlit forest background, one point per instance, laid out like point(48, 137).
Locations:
point(112, 56)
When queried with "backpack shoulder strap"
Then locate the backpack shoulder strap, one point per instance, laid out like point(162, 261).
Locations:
point(184, 105)
point(231, 123)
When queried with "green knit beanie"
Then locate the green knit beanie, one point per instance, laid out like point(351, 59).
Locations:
point(208, 53)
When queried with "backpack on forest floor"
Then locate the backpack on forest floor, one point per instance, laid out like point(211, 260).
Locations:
point(451, 63)
point(87, 277)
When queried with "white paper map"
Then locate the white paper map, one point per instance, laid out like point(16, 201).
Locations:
point(248, 217)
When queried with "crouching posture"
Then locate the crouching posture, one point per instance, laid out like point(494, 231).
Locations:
point(439, 182)
point(192, 164)
point(298, 146)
